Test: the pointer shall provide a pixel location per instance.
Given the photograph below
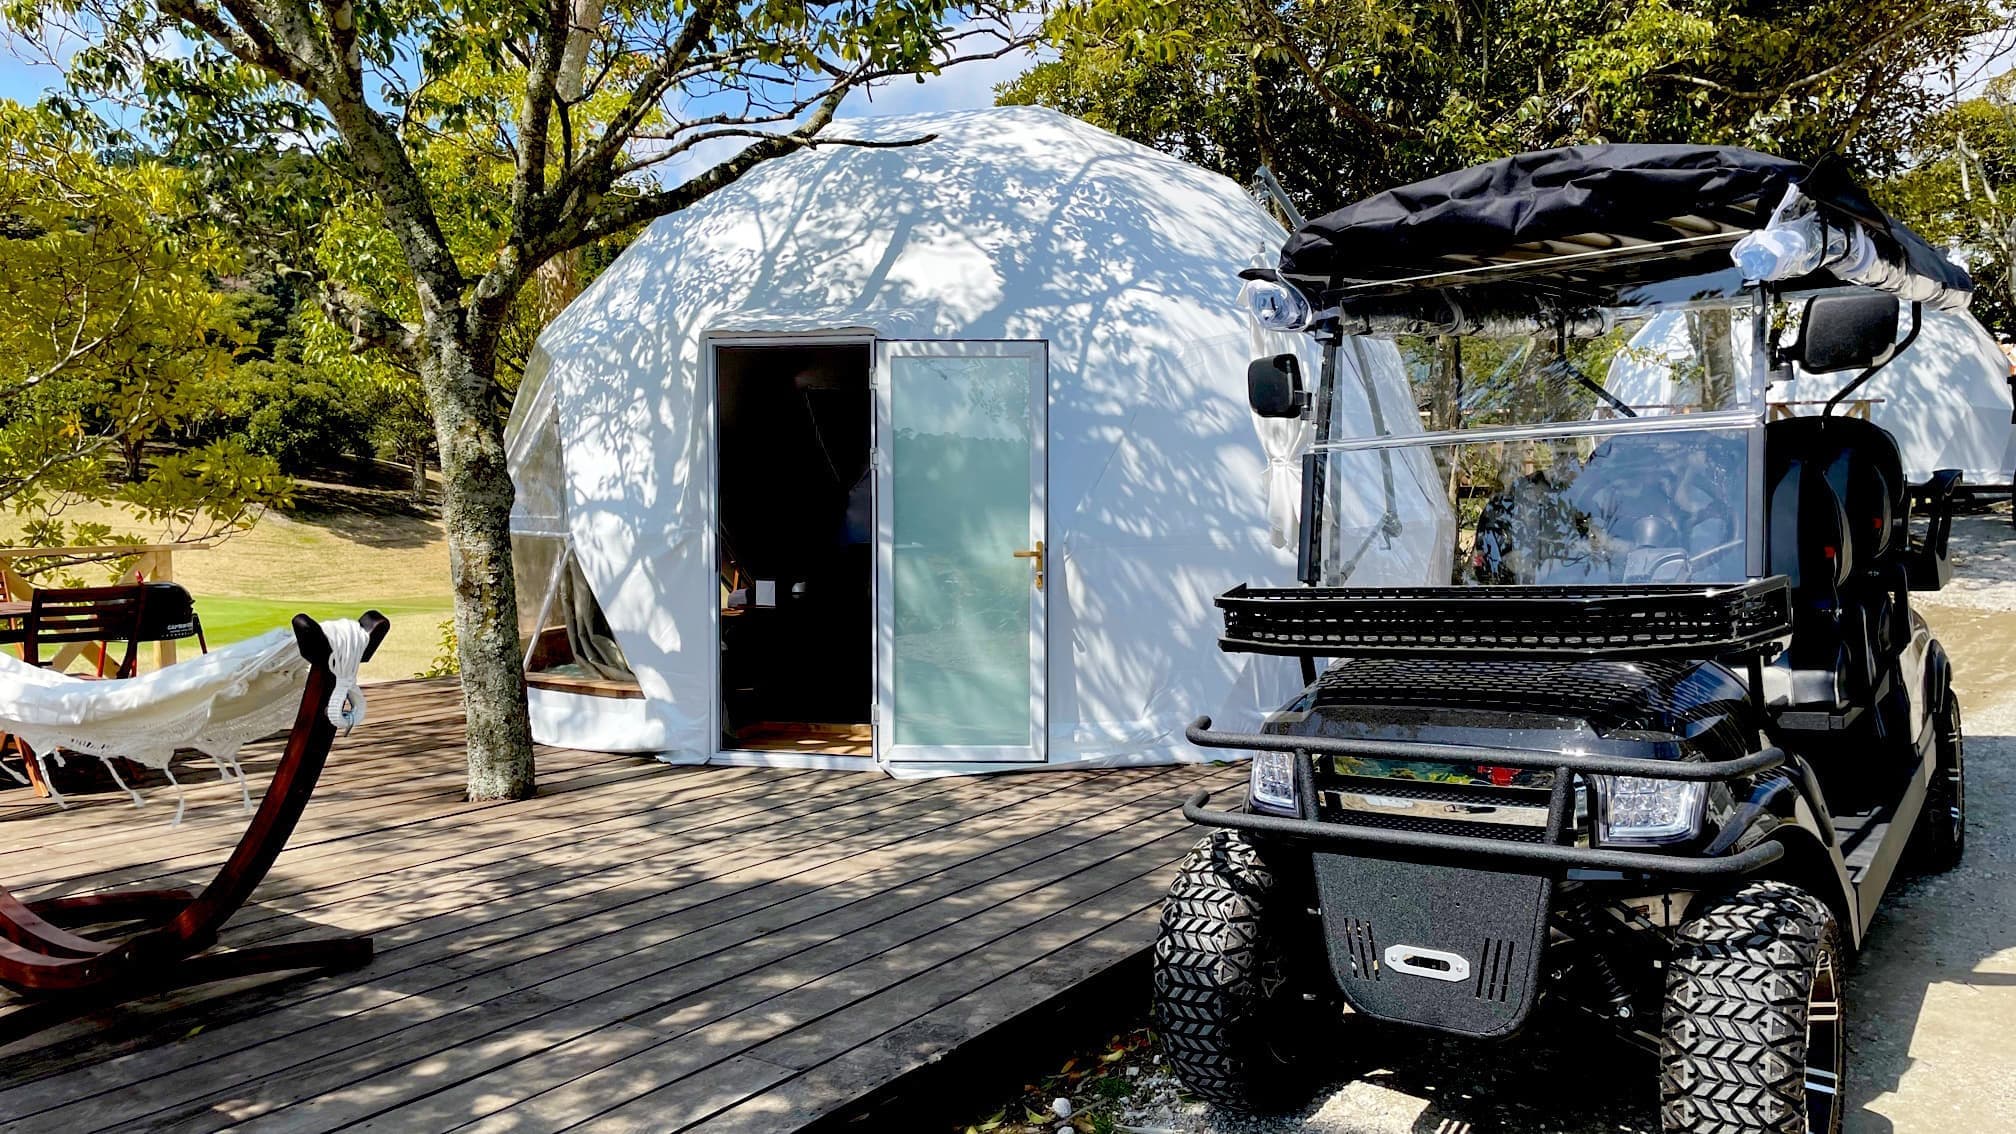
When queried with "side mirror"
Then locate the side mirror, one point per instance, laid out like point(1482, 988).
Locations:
point(1845, 332)
point(1274, 386)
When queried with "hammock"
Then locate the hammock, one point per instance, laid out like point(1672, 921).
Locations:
point(81, 953)
point(216, 704)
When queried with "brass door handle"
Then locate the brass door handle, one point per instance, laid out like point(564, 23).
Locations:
point(1035, 553)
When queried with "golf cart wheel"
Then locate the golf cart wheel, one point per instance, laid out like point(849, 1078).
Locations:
point(1941, 837)
point(1230, 1017)
point(1754, 1035)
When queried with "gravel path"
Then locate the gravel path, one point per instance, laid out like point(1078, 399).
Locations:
point(1932, 998)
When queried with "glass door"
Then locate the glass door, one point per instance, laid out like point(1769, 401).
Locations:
point(961, 563)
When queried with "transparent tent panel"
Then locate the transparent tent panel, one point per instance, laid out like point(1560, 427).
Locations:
point(534, 560)
point(561, 628)
point(536, 473)
point(531, 391)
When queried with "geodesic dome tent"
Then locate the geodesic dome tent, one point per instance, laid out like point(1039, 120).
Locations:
point(931, 458)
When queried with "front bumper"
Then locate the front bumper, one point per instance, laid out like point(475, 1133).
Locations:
point(1550, 855)
point(1443, 922)
point(1430, 846)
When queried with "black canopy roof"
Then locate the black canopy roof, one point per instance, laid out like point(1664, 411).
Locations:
point(1623, 214)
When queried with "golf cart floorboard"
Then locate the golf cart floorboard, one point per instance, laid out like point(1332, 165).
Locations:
point(1862, 836)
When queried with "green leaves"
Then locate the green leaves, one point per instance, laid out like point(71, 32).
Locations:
point(1960, 192)
point(1343, 100)
point(111, 334)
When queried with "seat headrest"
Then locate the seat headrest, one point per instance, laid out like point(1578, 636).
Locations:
point(1861, 461)
point(1806, 533)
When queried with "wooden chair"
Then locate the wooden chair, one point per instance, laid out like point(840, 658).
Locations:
point(60, 616)
point(66, 972)
point(71, 618)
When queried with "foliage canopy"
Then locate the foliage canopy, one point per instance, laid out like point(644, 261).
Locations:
point(1343, 100)
point(111, 333)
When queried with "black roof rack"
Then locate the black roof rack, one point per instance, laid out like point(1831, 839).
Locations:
point(1599, 620)
point(1589, 219)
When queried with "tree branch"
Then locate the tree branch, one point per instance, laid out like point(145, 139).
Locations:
point(370, 327)
point(1772, 94)
point(1337, 103)
point(616, 217)
point(595, 163)
point(250, 42)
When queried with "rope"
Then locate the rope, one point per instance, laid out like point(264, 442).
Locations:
point(134, 795)
point(181, 797)
point(347, 641)
point(229, 769)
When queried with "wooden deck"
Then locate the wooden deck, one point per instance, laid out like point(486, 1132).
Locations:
point(641, 947)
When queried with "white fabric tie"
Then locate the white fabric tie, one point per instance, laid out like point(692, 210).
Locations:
point(347, 641)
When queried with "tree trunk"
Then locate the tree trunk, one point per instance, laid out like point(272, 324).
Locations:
point(420, 473)
point(476, 511)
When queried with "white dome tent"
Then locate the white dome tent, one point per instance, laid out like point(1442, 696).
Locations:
point(930, 458)
point(1946, 398)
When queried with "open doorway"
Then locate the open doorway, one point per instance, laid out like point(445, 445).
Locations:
point(795, 536)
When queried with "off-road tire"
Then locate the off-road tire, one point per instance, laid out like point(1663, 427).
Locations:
point(1940, 840)
point(1232, 1020)
point(1740, 996)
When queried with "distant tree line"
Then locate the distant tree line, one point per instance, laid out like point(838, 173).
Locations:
point(1344, 100)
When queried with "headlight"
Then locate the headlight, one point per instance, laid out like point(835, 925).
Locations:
point(1272, 785)
point(1634, 810)
point(1277, 307)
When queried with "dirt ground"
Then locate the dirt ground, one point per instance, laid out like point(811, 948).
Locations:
point(1932, 998)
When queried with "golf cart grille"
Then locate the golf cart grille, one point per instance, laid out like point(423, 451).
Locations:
point(1381, 822)
point(1530, 621)
point(1430, 806)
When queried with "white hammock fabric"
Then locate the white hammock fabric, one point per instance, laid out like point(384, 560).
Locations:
point(216, 703)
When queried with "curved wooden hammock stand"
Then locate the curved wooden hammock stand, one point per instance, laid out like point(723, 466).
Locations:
point(66, 974)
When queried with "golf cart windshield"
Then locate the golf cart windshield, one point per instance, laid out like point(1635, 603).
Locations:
point(1548, 477)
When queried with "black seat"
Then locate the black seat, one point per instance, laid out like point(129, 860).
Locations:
point(1838, 520)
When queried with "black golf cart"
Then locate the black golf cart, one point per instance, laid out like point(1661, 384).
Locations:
point(1655, 725)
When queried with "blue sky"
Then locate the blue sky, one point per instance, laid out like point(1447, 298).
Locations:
point(962, 87)
point(24, 82)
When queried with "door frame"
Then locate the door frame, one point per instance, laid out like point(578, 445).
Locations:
point(710, 390)
point(1036, 752)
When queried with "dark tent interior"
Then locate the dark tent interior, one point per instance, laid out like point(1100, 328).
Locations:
point(796, 525)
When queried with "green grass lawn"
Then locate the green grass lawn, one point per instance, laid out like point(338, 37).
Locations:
point(407, 650)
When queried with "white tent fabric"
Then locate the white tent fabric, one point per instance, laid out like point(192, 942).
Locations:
point(1009, 224)
point(215, 703)
point(1946, 398)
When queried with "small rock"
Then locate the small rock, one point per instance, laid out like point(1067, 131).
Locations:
point(1061, 1108)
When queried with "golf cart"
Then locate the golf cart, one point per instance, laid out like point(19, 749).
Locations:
point(1655, 736)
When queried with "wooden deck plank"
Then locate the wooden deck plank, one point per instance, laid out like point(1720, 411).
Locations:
point(808, 1096)
point(641, 946)
point(775, 948)
point(443, 957)
point(334, 815)
point(331, 816)
point(700, 1036)
point(477, 1032)
point(414, 957)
